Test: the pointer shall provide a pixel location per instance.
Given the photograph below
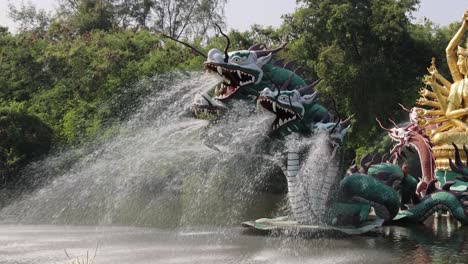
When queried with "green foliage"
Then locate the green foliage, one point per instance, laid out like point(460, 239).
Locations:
point(92, 14)
point(369, 55)
point(23, 137)
point(76, 85)
point(70, 75)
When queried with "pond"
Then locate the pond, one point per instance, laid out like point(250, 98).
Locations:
point(438, 241)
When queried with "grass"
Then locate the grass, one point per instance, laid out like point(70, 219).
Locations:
point(82, 260)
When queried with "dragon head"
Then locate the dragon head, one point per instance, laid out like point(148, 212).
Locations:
point(296, 110)
point(203, 107)
point(405, 135)
point(412, 136)
point(240, 70)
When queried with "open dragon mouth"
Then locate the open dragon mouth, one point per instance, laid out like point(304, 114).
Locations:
point(233, 79)
point(283, 115)
point(203, 107)
point(206, 112)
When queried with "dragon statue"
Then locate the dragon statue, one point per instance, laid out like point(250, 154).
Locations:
point(245, 74)
point(413, 136)
point(318, 193)
point(323, 197)
point(438, 130)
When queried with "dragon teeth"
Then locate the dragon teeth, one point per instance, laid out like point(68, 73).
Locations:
point(239, 74)
point(220, 70)
point(274, 107)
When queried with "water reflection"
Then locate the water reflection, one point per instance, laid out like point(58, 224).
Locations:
point(439, 240)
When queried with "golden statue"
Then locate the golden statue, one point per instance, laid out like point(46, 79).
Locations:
point(447, 121)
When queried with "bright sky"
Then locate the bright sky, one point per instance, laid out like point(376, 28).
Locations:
point(241, 14)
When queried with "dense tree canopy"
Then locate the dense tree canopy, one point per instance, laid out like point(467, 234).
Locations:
point(369, 54)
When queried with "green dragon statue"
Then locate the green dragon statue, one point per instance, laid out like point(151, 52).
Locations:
point(245, 74)
point(384, 186)
point(319, 195)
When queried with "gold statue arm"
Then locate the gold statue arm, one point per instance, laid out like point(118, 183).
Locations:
point(443, 128)
point(441, 119)
point(437, 88)
point(457, 113)
point(426, 93)
point(436, 120)
point(437, 91)
point(424, 112)
point(444, 82)
point(459, 123)
point(424, 101)
point(450, 50)
point(435, 73)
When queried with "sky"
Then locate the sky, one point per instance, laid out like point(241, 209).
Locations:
point(241, 14)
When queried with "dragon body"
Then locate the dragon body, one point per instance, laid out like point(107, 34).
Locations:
point(321, 196)
point(413, 136)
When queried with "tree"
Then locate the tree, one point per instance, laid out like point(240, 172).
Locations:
point(86, 15)
point(369, 54)
point(22, 137)
point(30, 18)
point(135, 13)
point(187, 18)
point(176, 18)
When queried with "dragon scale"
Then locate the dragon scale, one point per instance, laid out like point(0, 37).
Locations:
point(311, 190)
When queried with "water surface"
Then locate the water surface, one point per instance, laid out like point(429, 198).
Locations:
point(441, 241)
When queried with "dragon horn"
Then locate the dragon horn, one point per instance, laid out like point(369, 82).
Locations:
point(226, 56)
point(365, 162)
point(290, 65)
point(261, 53)
point(431, 187)
point(183, 43)
point(347, 121)
point(337, 113)
point(380, 124)
point(309, 89)
point(404, 108)
point(286, 84)
point(376, 158)
point(454, 167)
point(393, 122)
point(278, 63)
point(299, 70)
point(255, 47)
point(466, 154)
point(385, 158)
point(458, 161)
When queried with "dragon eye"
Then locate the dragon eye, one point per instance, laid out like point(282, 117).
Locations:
point(236, 60)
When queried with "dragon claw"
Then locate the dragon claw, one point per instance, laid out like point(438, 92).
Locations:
point(431, 187)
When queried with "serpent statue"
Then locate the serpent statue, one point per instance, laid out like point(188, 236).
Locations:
point(384, 186)
point(413, 136)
